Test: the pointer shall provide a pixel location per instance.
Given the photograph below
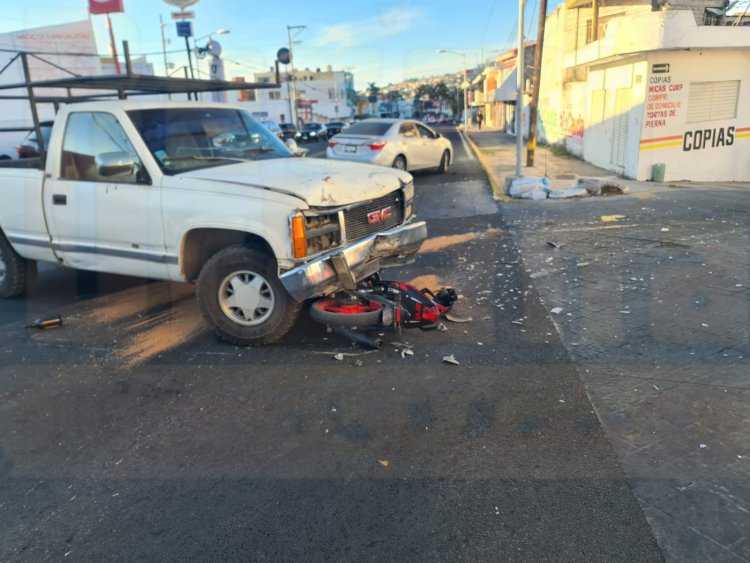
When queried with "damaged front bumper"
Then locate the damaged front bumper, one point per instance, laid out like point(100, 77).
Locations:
point(343, 268)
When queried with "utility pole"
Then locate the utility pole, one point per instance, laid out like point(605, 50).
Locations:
point(520, 79)
point(534, 105)
point(290, 85)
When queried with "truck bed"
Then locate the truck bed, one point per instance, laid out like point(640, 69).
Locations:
point(23, 163)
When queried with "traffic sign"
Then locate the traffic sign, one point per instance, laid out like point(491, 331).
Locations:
point(183, 15)
point(184, 29)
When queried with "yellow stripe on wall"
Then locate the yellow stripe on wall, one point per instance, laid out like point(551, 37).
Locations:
point(661, 146)
point(741, 135)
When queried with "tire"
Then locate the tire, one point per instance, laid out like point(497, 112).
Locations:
point(273, 311)
point(16, 273)
point(399, 162)
point(445, 162)
point(335, 313)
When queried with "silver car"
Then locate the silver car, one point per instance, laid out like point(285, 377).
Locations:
point(400, 143)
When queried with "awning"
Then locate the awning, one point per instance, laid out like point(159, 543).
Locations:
point(507, 91)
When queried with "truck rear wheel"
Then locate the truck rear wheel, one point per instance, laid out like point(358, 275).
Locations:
point(16, 273)
point(241, 297)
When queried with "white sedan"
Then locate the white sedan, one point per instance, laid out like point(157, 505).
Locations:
point(400, 143)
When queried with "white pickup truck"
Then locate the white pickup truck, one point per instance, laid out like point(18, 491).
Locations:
point(202, 193)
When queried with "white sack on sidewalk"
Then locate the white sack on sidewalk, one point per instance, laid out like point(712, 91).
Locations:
point(527, 184)
point(571, 192)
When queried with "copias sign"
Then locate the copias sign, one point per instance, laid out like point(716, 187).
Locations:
point(105, 6)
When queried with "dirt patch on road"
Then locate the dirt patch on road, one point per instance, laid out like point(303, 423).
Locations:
point(429, 281)
point(439, 243)
point(157, 335)
point(136, 301)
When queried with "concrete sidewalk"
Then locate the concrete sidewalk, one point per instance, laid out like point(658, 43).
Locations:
point(654, 309)
point(496, 151)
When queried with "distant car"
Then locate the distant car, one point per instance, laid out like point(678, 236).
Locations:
point(288, 130)
point(312, 132)
point(29, 147)
point(401, 143)
point(335, 127)
point(274, 128)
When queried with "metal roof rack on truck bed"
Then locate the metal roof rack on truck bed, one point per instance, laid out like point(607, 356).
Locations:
point(111, 86)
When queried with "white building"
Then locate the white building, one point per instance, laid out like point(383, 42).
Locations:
point(321, 96)
point(659, 84)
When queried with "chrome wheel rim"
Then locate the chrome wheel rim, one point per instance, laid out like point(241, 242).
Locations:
point(399, 164)
point(246, 298)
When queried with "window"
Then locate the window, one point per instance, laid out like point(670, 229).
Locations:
point(92, 134)
point(274, 95)
point(407, 130)
point(712, 101)
point(368, 128)
point(424, 132)
point(332, 93)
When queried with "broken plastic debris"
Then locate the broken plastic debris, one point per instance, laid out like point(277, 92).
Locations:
point(664, 230)
point(338, 357)
point(555, 244)
point(402, 345)
point(455, 319)
point(358, 363)
point(406, 352)
point(46, 323)
point(451, 360)
point(384, 462)
point(441, 327)
point(556, 310)
point(703, 446)
point(611, 218)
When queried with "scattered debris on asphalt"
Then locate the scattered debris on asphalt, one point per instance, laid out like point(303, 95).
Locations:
point(611, 218)
point(358, 363)
point(556, 310)
point(402, 345)
point(703, 446)
point(451, 360)
point(664, 230)
point(441, 327)
point(338, 357)
point(455, 319)
point(47, 323)
point(406, 352)
point(384, 462)
point(555, 245)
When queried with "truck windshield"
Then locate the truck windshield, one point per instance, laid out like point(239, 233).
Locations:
point(183, 139)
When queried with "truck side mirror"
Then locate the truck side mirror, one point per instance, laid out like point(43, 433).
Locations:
point(110, 164)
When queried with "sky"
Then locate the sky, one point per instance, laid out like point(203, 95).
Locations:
point(381, 41)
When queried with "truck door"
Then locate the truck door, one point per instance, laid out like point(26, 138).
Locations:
point(104, 217)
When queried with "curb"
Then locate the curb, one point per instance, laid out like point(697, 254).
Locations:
point(498, 188)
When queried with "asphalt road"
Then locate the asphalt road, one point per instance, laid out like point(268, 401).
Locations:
point(131, 433)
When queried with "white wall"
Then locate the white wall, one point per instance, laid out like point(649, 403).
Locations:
point(671, 140)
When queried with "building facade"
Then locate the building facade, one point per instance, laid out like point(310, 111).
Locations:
point(321, 96)
point(654, 85)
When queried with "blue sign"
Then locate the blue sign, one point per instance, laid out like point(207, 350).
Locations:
point(184, 29)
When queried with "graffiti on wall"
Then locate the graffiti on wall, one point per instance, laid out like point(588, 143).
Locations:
point(561, 126)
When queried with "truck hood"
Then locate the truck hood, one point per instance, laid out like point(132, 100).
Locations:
point(319, 182)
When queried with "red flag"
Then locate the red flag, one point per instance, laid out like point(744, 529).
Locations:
point(105, 6)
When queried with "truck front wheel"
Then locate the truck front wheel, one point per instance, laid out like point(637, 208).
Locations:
point(16, 273)
point(241, 297)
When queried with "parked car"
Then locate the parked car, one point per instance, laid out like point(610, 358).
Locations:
point(29, 147)
point(288, 130)
point(312, 132)
point(334, 127)
point(274, 128)
point(401, 143)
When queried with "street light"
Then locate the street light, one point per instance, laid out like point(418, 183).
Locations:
point(465, 84)
point(291, 86)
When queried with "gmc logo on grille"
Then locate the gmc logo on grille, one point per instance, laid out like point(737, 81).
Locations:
point(382, 215)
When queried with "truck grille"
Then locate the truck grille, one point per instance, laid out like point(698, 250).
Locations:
point(358, 220)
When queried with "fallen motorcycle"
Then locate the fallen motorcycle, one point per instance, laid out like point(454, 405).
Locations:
point(379, 304)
